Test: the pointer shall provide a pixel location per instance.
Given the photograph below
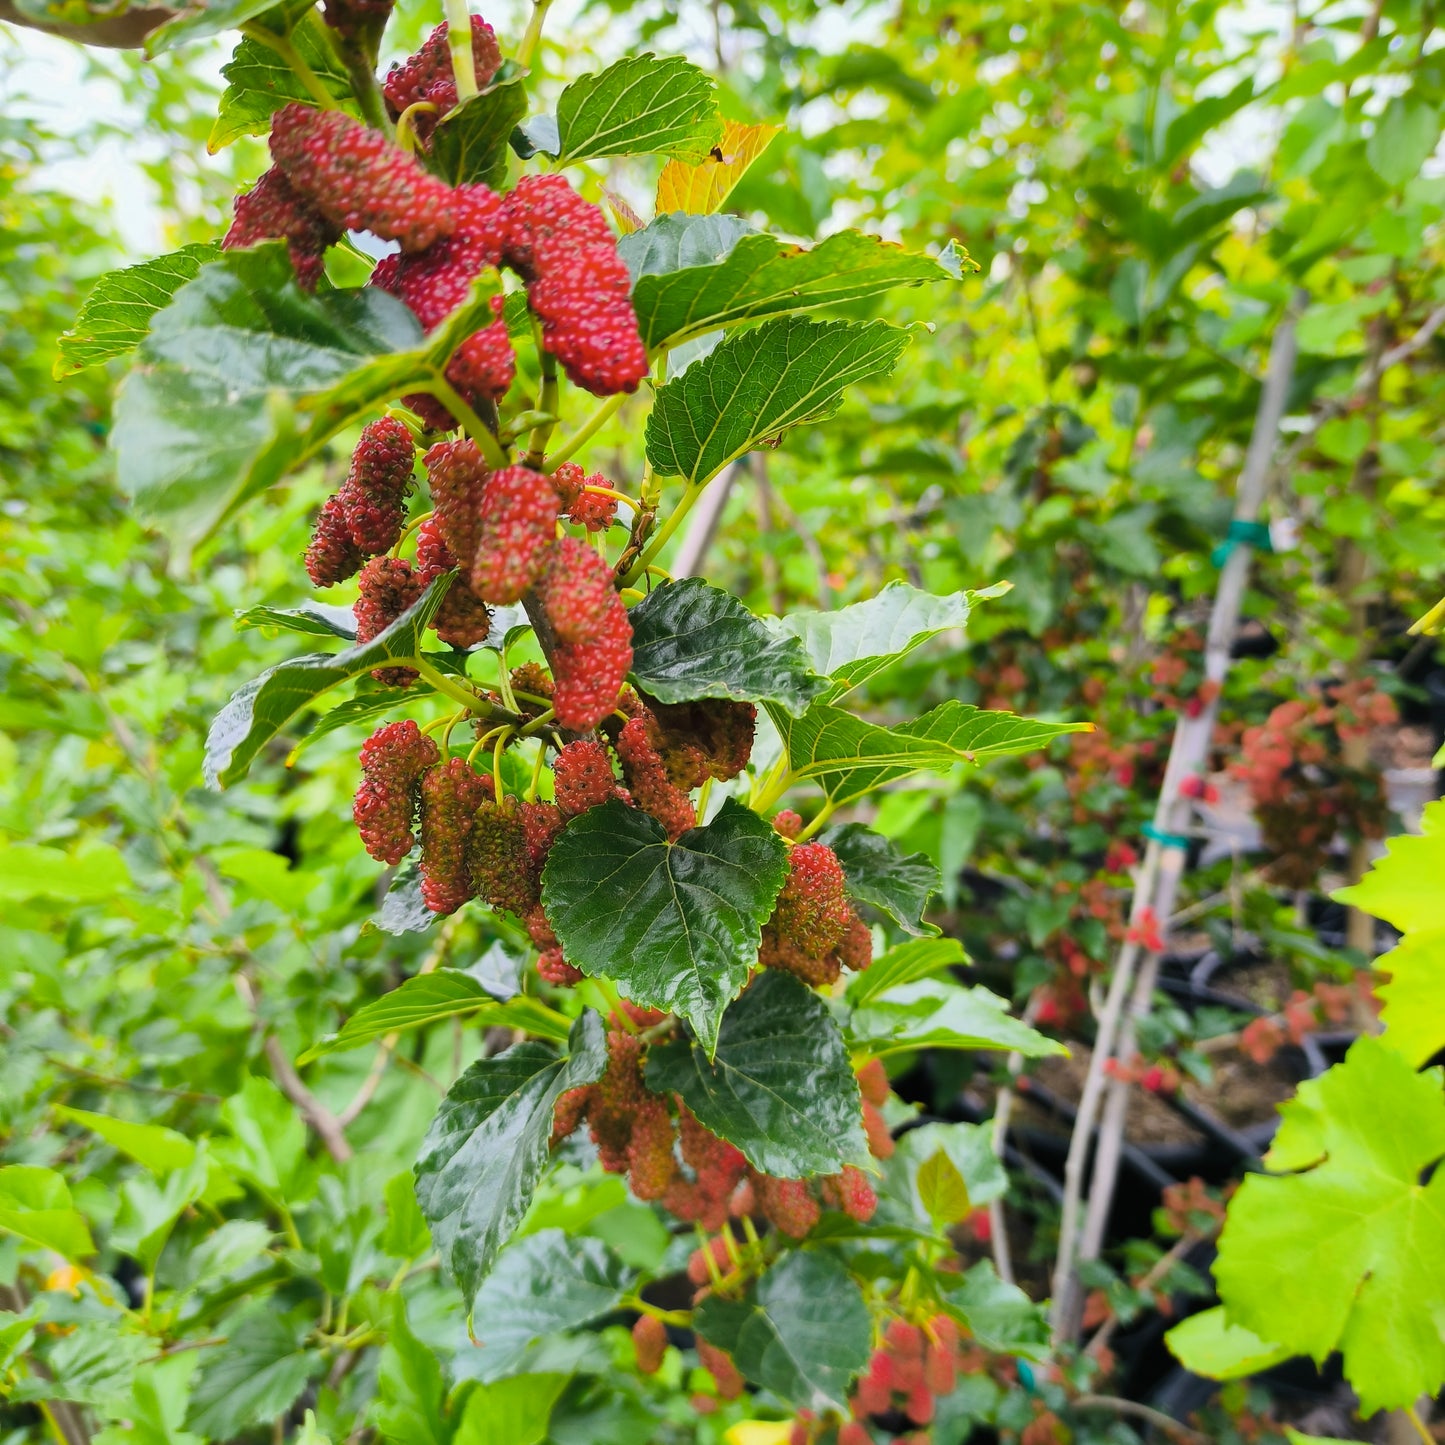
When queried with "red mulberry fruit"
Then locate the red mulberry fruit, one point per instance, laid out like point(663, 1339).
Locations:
point(881, 1143)
point(457, 477)
point(393, 760)
point(483, 366)
point(852, 1193)
point(588, 322)
point(332, 556)
point(388, 588)
point(708, 738)
point(855, 950)
point(788, 823)
point(518, 530)
point(543, 210)
point(434, 282)
point(428, 75)
point(719, 1364)
point(652, 790)
point(582, 777)
point(272, 210)
point(542, 823)
point(587, 676)
point(373, 496)
point(619, 1094)
point(569, 1112)
point(810, 917)
point(462, 620)
point(358, 179)
point(873, 1082)
point(649, 1339)
point(787, 1204)
point(577, 592)
point(553, 968)
point(584, 508)
point(450, 797)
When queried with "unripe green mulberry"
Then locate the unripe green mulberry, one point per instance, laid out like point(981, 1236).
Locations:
point(497, 856)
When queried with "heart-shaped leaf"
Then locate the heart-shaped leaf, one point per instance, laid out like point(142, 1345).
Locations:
point(488, 1146)
point(693, 640)
point(759, 384)
point(676, 925)
point(779, 1087)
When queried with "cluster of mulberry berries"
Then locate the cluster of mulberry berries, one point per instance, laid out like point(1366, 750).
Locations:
point(814, 932)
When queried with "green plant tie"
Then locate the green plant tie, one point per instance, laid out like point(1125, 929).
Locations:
point(1251, 534)
point(1169, 840)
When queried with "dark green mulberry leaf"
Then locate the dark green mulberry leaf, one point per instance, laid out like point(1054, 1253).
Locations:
point(780, 1087)
point(676, 925)
point(642, 105)
point(488, 1146)
point(880, 873)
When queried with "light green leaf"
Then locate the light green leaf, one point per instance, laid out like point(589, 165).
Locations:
point(204, 18)
point(942, 1191)
point(779, 1088)
point(157, 1148)
point(269, 1137)
point(1348, 1253)
point(406, 1235)
point(1404, 888)
point(446, 993)
point(509, 1412)
point(760, 383)
point(677, 240)
point(1001, 1317)
point(32, 870)
point(314, 619)
point(260, 82)
point(244, 376)
point(1207, 1344)
point(853, 643)
point(934, 1014)
point(914, 1170)
point(692, 640)
point(255, 1379)
point(35, 1204)
point(763, 276)
point(410, 1404)
point(1405, 137)
point(802, 1330)
point(488, 1145)
point(259, 710)
point(676, 926)
point(880, 873)
point(117, 313)
point(642, 105)
point(918, 958)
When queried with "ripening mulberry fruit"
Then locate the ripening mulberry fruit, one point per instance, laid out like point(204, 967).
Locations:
point(649, 1339)
point(569, 1112)
point(852, 1193)
point(874, 1394)
point(553, 968)
point(483, 366)
point(542, 215)
point(588, 323)
point(587, 676)
point(717, 1167)
point(434, 282)
point(718, 1249)
point(787, 1204)
point(617, 1097)
point(272, 210)
point(496, 855)
point(855, 949)
point(518, 532)
point(880, 1141)
point(450, 797)
point(650, 1163)
point(457, 477)
point(873, 1082)
point(788, 823)
point(393, 760)
point(583, 508)
point(719, 1364)
point(578, 593)
point(463, 619)
point(810, 917)
point(428, 76)
point(919, 1405)
point(940, 1371)
point(710, 738)
point(646, 774)
point(582, 777)
point(853, 1433)
point(388, 587)
point(542, 822)
point(331, 556)
point(358, 179)
point(373, 496)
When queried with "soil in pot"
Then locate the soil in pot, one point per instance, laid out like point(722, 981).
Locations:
point(1151, 1122)
point(1244, 1094)
point(1262, 984)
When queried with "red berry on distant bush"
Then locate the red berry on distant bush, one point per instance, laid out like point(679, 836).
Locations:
point(719, 1365)
point(393, 760)
point(358, 179)
point(451, 794)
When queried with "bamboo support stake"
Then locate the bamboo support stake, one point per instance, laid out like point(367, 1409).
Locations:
point(1157, 887)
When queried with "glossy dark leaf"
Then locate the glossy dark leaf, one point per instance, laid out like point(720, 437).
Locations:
point(693, 640)
point(880, 873)
point(779, 1087)
point(263, 707)
point(802, 1331)
point(676, 926)
point(488, 1146)
point(759, 384)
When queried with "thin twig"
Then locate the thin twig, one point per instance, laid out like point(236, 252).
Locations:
point(1157, 1418)
point(1151, 1277)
